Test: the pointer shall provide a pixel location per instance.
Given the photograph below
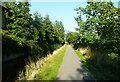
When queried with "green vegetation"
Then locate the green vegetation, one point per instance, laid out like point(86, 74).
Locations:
point(100, 33)
point(30, 34)
point(83, 58)
point(71, 37)
point(96, 72)
point(51, 67)
point(37, 36)
point(45, 68)
point(99, 71)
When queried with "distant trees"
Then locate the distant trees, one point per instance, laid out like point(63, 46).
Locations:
point(60, 30)
point(71, 37)
point(30, 34)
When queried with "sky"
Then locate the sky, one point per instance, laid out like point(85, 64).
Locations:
point(61, 11)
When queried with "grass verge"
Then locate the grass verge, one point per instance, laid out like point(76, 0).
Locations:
point(88, 64)
point(100, 72)
point(50, 69)
point(80, 56)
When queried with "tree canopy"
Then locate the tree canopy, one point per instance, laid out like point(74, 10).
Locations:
point(101, 26)
point(30, 34)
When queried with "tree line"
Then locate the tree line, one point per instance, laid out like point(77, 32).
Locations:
point(100, 32)
point(29, 34)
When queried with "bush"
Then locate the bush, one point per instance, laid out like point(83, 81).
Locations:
point(11, 44)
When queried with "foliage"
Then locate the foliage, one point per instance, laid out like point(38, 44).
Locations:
point(101, 33)
point(60, 31)
point(34, 34)
point(101, 72)
point(71, 36)
point(101, 27)
point(13, 40)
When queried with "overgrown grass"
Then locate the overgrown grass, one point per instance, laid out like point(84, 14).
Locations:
point(85, 61)
point(100, 72)
point(50, 69)
point(83, 58)
point(44, 68)
point(88, 64)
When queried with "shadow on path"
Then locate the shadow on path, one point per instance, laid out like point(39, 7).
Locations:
point(72, 69)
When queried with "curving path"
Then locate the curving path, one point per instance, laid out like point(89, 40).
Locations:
point(72, 68)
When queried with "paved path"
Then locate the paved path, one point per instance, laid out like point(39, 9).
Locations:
point(72, 68)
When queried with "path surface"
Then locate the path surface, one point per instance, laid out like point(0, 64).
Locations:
point(72, 68)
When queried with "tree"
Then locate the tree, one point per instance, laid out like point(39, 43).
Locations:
point(100, 25)
point(71, 37)
point(19, 19)
point(39, 33)
point(60, 30)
